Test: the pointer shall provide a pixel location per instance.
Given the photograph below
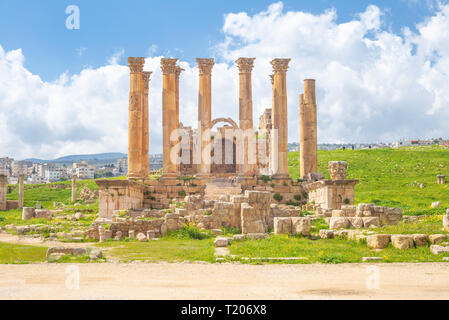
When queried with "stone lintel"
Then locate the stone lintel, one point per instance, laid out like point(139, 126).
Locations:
point(324, 183)
point(136, 64)
point(104, 183)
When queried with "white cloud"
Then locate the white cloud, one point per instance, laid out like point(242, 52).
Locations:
point(372, 84)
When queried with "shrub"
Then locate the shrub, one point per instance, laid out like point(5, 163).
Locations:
point(182, 193)
point(230, 230)
point(273, 185)
point(207, 213)
point(305, 195)
point(347, 201)
point(278, 197)
point(190, 231)
point(293, 203)
point(297, 197)
point(265, 179)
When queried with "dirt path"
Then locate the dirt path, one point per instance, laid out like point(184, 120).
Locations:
point(226, 281)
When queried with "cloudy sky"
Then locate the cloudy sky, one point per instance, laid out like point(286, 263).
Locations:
point(382, 69)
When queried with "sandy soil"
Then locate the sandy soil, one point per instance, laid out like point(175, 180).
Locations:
point(225, 281)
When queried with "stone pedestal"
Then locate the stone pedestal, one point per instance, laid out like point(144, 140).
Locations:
point(169, 125)
point(205, 66)
point(74, 198)
point(279, 118)
point(145, 153)
point(308, 130)
point(441, 179)
point(21, 190)
point(135, 123)
point(247, 166)
point(3, 192)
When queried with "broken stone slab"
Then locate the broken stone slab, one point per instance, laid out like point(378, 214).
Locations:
point(257, 236)
point(402, 242)
point(131, 234)
point(437, 238)
point(28, 213)
point(326, 234)
point(338, 223)
point(63, 251)
point(221, 242)
point(238, 237)
point(341, 233)
point(95, 254)
point(141, 237)
point(42, 214)
point(421, 240)
point(301, 226)
point(371, 259)
point(282, 225)
point(369, 222)
point(378, 241)
point(356, 222)
point(436, 249)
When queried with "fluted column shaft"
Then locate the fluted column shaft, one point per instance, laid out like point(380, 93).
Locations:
point(169, 125)
point(245, 66)
point(205, 66)
point(308, 130)
point(135, 122)
point(145, 126)
point(279, 116)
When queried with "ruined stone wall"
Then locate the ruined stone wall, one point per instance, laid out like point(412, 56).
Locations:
point(118, 195)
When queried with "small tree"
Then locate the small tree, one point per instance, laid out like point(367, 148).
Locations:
point(278, 197)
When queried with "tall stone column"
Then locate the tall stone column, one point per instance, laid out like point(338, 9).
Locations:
point(279, 117)
point(21, 190)
point(3, 191)
point(145, 126)
point(168, 67)
point(308, 144)
point(245, 66)
point(205, 66)
point(177, 74)
point(74, 198)
point(135, 118)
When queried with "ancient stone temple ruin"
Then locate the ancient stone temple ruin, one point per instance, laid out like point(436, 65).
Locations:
point(216, 176)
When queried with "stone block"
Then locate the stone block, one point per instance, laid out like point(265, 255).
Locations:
point(338, 214)
point(326, 234)
point(42, 214)
point(437, 238)
point(436, 204)
point(371, 222)
point(28, 213)
point(378, 241)
point(402, 242)
point(356, 222)
point(282, 225)
point(141, 237)
point(221, 242)
point(301, 226)
point(339, 223)
point(421, 240)
point(131, 234)
point(436, 249)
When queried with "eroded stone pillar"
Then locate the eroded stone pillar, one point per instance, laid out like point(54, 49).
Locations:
point(21, 190)
point(135, 123)
point(308, 144)
point(279, 118)
point(145, 125)
point(205, 66)
point(3, 191)
point(74, 198)
point(245, 66)
point(168, 66)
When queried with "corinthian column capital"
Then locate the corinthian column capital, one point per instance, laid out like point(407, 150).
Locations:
point(205, 65)
point(146, 78)
point(168, 65)
point(272, 79)
point(245, 64)
point(136, 64)
point(280, 65)
point(178, 71)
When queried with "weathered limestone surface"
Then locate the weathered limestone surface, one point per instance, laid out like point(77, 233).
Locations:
point(437, 238)
point(135, 123)
point(169, 69)
point(282, 225)
point(3, 192)
point(27, 213)
point(245, 66)
point(118, 195)
point(402, 242)
point(308, 130)
point(421, 240)
point(21, 190)
point(446, 221)
point(279, 146)
point(378, 241)
point(205, 66)
point(338, 169)
point(145, 160)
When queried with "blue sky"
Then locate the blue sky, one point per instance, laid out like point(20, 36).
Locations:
point(185, 29)
point(381, 67)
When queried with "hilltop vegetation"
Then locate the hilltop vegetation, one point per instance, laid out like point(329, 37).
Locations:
point(404, 177)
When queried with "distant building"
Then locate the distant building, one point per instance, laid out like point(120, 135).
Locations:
point(83, 170)
point(122, 166)
point(20, 167)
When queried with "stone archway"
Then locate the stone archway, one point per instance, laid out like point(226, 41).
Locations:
point(226, 120)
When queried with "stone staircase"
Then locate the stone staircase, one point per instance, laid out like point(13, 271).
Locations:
point(221, 186)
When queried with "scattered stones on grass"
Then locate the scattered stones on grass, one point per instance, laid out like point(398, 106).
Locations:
point(402, 242)
point(141, 237)
point(437, 238)
point(326, 234)
point(64, 251)
point(221, 242)
point(436, 249)
point(372, 259)
point(378, 241)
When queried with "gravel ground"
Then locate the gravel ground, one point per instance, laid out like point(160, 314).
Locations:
point(224, 281)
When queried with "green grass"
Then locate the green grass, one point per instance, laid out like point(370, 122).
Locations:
point(164, 249)
point(326, 251)
point(428, 225)
point(17, 254)
point(391, 177)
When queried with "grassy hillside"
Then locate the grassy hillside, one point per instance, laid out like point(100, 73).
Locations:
point(404, 177)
